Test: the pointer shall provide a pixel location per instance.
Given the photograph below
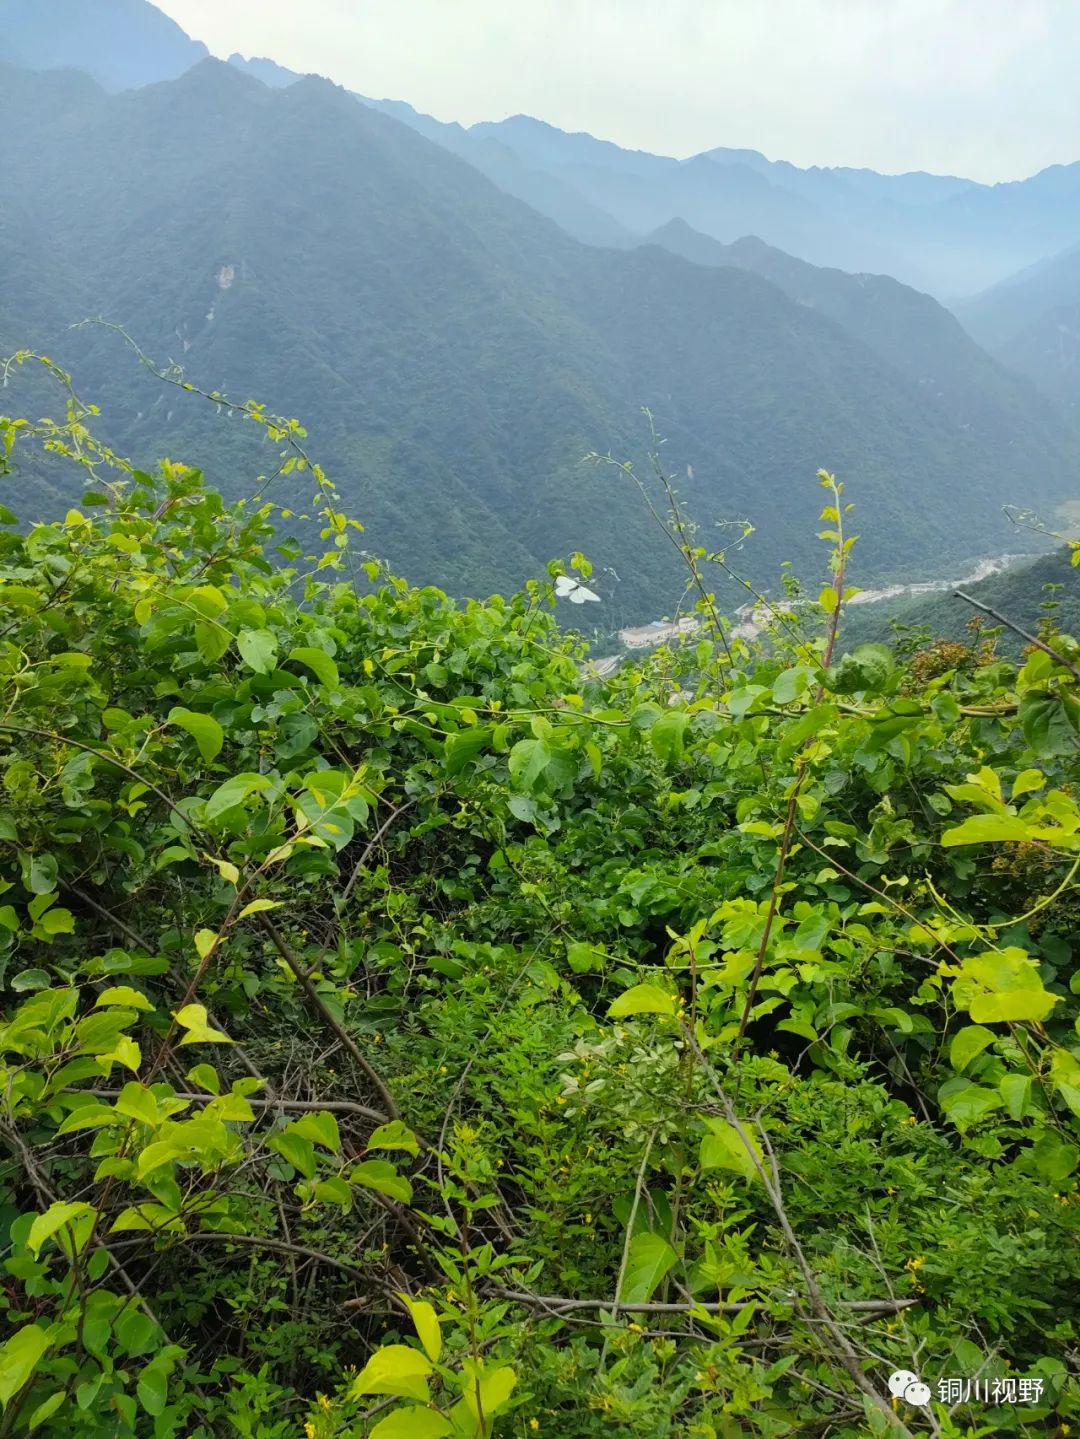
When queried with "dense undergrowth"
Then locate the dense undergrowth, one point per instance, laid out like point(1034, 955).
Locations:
point(404, 1035)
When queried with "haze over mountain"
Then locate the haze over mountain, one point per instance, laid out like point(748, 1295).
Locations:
point(1032, 321)
point(941, 233)
point(455, 353)
point(121, 43)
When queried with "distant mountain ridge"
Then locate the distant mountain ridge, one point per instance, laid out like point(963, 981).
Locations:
point(907, 329)
point(454, 354)
point(1032, 322)
point(944, 234)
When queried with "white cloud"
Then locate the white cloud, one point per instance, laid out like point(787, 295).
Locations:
point(979, 87)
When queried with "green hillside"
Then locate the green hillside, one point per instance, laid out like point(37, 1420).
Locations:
point(906, 328)
point(1028, 594)
point(454, 354)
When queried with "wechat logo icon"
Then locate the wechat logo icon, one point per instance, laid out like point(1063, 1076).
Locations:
point(909, 1387)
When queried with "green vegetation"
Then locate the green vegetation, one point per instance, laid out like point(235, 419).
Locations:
point(402, 1037)
point(454, 354)
point(1033, 594)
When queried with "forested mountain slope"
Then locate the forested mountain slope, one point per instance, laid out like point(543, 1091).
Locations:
point(907, 328)
point(1032, 320)
point(454, 354)
point(1026, 593)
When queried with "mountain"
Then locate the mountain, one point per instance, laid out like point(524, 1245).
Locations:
point(1021, 593)
point(268, 71)
point(906, 328)
point(1032, 321)
point(123, 44)
point(454, 354)
point(941, 233)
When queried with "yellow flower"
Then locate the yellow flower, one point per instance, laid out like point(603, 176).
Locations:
point(588, 1219)
point(534, 1423)
point(309, 1430)
point(323, 1402)
point(559, 1099)
point(916, 1263)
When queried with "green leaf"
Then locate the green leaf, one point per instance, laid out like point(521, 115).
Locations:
point(39, 872)
point(204, 730)
point(968, 1103)
point(650, 1257)
point(1015, 1089)
point(258, 906)
point(205, 1076)
point(988, 829)
point(233, 792)
point(318, 662)
point(413, 1422)
point(193, 1018)
point(667, 735)
point(137, 1102)
point(394, 1369)
point(1046, 726)
point(321, 1128)
point(1009, 988)
point(299, 1152)
point(46, 1409)
point(1027, 781)
point(394, 1135)
point(723, 1148)
point(55, 1217)
point(486, 1390)
point(642, 999)
point(152, 1389)
point(426, 1323)
point(19, 1358)
point(381, 1175)
point(123, 994)
point(1054, 1159)
point(258, 649)
point(967, 1044)
point(868, 668)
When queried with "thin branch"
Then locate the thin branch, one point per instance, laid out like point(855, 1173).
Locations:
point(557, 1302)
point(317, 1002)
point(1009, 625)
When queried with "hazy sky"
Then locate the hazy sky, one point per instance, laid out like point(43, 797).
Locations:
point(986, 88)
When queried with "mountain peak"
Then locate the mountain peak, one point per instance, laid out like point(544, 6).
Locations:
point(123, 44)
